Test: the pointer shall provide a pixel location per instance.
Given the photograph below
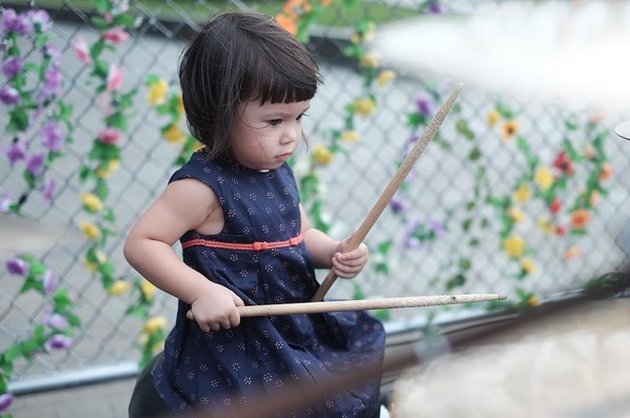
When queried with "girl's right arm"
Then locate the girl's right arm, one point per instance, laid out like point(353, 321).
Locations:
point(185, 205)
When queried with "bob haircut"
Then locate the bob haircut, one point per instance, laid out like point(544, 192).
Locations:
point(237, 58)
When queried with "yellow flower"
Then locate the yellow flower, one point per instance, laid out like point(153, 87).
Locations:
point(510, 128)
point(370, 60)
point(91, 230)
point(174, 134)
point(180, 104)
point(154, 324)
point(322, 155)
point(365, 107)
point(119, 287)
point(148, 290)
point(514, 246)
point(493, 117)
point(546, 225)
point(523, 193)
point(91, 202)
point(533, 300)
point(100, 257)
point(157, 92)
point(529, 266)
point(107, 170)
point(543, 178)
point(517, 214)
point(385, 77)
point(350, 136)
point(370, 33)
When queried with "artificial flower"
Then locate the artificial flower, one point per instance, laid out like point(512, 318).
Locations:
point(59, 341)
point(12, 67)
point(365, 107)
point(425, 105)
point(493, 117)
point(36, 164)
point(18, 266)
point(116, 35)
point(148, 289)
point(350, 136)
point(9, 96)
point(529, 266)
point(154, 324)
point(6, 399)
point(546, 225)
point(607, 172)
point(119, 287)
point(91, 230)
point(287, 23)
point(533, 300)
point(16, 152)
point(523, 193)
point(14, 22)
point(555, 206)
point(580, 218)
point(107, 169)
point(564, 164)
point(82, 50)
point(157, 92)
point(174, 134)
point(54, 135)
point(49, 280)
point(370, 60)
point(110, 136)
point(385, 77)
point(55, 320)
point(322, 155)
point(514, 246)
point(516, 214)
point(573, 252)
point(596, 197)
point(544, 178)
point(91, 202)
point(510, 128)
point(115, 77)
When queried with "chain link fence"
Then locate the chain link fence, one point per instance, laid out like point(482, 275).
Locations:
point(443, 235)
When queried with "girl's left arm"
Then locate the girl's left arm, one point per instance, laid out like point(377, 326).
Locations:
point(327, 252)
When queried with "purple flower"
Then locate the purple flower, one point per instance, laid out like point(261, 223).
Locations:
point(55, 320)
point(16, 152)
point(436, 227)
point(53, 81)
point(437, 8)
point(54, 134)
point(425, 104)
point(18, 266)
point(53, 52)
point(36, 164)
point(49, 190)
point(40, 19)
point(9, 96)
point(50, 282)
point(5, 202)
point(59, 341)
point(398, 205)
point(411, 240)
point(6, 399)
point(13, 22)
point(12, 67)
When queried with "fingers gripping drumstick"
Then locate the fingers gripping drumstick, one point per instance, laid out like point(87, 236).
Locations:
point(393, 186)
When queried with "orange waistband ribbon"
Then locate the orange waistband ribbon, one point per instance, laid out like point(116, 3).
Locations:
point(256, 246)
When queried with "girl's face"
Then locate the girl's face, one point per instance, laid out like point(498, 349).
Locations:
point(265, 136)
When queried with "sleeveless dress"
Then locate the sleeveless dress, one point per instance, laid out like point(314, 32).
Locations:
point(225, 368)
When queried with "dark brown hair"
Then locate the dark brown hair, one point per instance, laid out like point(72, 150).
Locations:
point(238, 57)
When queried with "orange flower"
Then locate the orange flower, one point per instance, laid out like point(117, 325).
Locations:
point(580, 218)
point(287, 22)
point(510, 128)
point(573, 252)
point(607, 171)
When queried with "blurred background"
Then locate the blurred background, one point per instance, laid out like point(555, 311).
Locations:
point(521, 192)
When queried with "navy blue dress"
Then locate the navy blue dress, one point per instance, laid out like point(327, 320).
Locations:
point(224, 368)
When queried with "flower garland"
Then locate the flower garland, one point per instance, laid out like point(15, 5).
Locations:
point(114, 24)
point(39, 122)
point(54, 332)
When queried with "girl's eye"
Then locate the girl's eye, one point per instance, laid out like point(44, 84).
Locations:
point(301, 116)
point(275, 122)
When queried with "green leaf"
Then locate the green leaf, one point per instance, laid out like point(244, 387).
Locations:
point(455, 281)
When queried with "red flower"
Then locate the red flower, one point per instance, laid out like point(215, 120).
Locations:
point(564, 163)
point(555, 206)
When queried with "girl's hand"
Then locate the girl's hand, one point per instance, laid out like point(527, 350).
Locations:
point(349, 264)
point(216, 309)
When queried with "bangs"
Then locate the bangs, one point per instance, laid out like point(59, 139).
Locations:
point(281, 90)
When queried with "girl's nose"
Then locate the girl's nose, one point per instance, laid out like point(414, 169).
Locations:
point(292, 134)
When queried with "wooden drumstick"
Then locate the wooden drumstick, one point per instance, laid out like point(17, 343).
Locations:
point(360, 305)
point(393, 186)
